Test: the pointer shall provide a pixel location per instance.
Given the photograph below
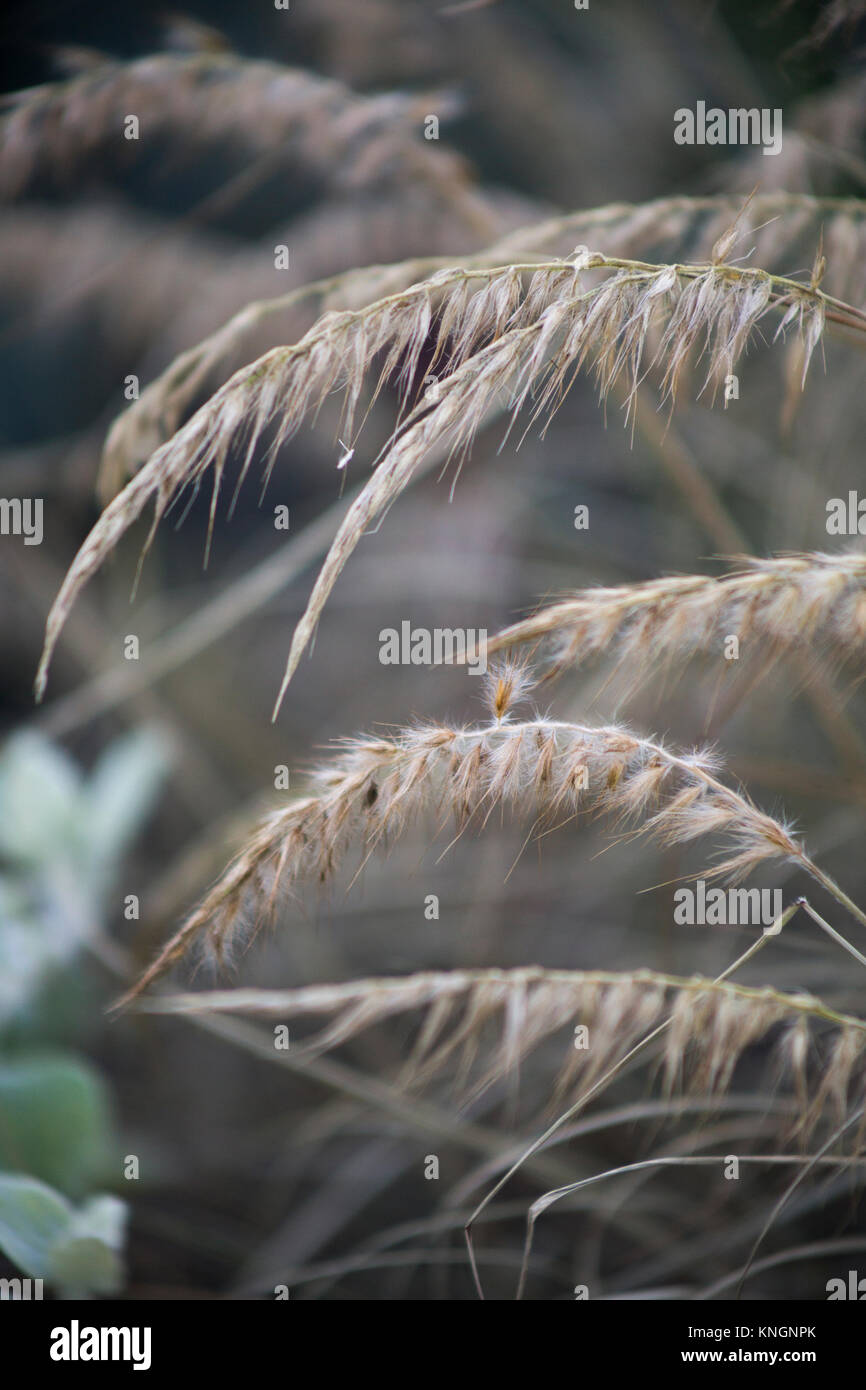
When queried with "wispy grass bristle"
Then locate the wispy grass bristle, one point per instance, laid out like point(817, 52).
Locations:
point(559, 327)
point(815, 602)
point(546, 770)
point(481, 1025)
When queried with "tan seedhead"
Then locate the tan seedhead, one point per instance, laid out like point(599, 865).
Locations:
point(512, 334)
point(815, 601)
point(277, 118)
point(547, 771)
point(773, 227)
point(507, 683)
point(478, 1026)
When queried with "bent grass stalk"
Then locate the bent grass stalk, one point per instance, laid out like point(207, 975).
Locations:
point(552, 768)
point(770, 606)
point(807, 1163)
point(156, 415)
point(584, 1099)
point(542, 1204)
point(500, 338)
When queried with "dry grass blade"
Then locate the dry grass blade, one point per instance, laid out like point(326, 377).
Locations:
point(57, 136)
point(777, 225)
point(546, 769)
point(708, 312)
point(770, 606)
point(499, 337)
point(775, 230)
point(159, 411)
point(291, 382)
point(502, 1016)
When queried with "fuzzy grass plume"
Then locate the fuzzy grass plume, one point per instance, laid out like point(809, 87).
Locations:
point(775, 226)
point(548, 771)
point(502, 1016)
point(813, 601)
point(314, 130)
point(512, 334)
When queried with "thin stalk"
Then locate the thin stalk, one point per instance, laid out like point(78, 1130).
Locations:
point(593, 1090)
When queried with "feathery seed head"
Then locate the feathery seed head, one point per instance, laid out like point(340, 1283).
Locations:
point(506, 684)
